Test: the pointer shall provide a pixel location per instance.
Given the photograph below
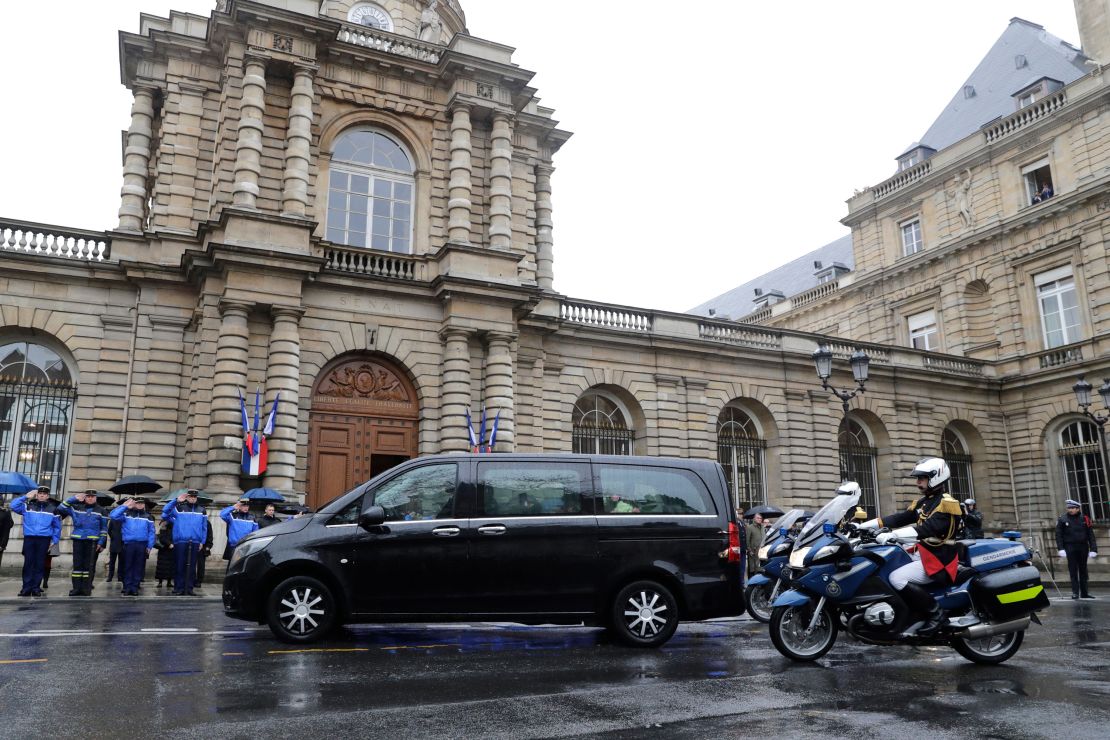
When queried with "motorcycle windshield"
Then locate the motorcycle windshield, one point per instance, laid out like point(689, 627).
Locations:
point(831, 512)
point(773, 534)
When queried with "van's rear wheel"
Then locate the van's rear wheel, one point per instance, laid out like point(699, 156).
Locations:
point(301, 609)
point(644, 614)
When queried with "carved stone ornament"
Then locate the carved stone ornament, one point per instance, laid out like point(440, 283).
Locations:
point(363, 380)
point(283, 43)
point(959, 195)
point(485, 91)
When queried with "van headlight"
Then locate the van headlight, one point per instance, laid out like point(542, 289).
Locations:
point(798, 557)
point(249, 547)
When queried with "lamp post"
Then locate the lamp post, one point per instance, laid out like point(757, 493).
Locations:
point(1083, 398)
point(860, 363)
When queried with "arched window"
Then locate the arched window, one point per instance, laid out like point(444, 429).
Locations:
point(600, 426)
point(857, 462)
point(37, 398)
point(1081, 456)
point(740, 452)
point(370, 192)
point(955, 453)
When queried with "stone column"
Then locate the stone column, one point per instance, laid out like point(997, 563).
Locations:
point(284, 377)
point(456, 390)
point(248, 148)
point(545, 274)
point(136, 162)
point(224, 463)
point(501, 183)
point(499, 388)
point(298, 138)
point(461, 187)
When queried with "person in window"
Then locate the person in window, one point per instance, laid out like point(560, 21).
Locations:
point(617, 505)
point(527, 505)
point(1046, 192)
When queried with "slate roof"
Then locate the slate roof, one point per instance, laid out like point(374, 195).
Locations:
point(792, 278)
point(998, 77)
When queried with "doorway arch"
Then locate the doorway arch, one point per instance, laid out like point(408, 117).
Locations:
point(363, 421)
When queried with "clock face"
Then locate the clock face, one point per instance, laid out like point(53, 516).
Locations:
point(371, 15)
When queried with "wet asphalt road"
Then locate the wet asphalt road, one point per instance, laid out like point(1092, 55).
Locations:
point(179, 668)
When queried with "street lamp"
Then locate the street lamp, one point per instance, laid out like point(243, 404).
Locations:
point(860, 363)
point(1083, 398)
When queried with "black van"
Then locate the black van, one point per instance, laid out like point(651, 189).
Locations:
point(633, 543)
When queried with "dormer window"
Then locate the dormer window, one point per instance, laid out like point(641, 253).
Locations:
point(830, 272)
point(914, 156)
point(1030, 94)
point(765, 298)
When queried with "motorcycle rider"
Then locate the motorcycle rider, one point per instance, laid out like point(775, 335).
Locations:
point(933, 520)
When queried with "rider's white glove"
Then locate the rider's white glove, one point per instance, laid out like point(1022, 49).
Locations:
point(1062, 554)
point(1092, 555)
point(885, 537)
point(871, 524)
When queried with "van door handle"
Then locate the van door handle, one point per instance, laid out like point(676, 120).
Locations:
point(446, 531)
point(492, 529)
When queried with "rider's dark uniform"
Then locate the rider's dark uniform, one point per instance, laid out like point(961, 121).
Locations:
point(936, 517)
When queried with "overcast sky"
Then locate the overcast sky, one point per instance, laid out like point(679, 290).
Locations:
point(707, 148)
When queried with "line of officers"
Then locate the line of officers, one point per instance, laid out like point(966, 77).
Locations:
point(186, 533)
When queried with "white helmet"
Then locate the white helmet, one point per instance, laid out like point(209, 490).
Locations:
point(847, 488)
point(932, 468)
point(969, 502)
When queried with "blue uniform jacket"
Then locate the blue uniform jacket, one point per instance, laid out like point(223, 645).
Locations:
point(138, 526)
point(39, 520)
point(89, 522)
point(190, 523)
point(238, 525)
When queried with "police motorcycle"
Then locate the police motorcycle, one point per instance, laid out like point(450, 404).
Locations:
point(764, 587)
point(835, 585)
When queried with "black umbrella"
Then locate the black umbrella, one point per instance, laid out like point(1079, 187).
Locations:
point(296, 509)
point(767, 512)
point(105, 499)
point(135, 485)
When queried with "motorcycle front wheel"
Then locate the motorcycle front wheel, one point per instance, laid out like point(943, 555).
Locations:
point(788, 632)
point(989, 650)
point(757, 598)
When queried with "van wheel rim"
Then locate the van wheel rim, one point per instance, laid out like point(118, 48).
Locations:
point(644, 614)
point(302, 613)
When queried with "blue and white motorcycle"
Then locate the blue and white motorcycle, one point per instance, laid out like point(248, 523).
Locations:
point(835, 585)
point(764, 586)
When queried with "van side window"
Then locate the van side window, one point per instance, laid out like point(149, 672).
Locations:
point(427, 492)
point(633, 489)
point(507, 489)
point(349, 514)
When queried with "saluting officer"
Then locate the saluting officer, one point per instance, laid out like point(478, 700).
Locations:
point(1075, 537)
point(90, 534)
point(138, 540)
point(190, 529)
point(240, 523)
point(42, 527)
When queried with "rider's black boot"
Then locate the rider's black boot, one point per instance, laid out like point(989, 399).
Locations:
point(923, 604)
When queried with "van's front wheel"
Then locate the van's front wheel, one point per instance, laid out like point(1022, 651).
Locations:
point(301, 609)
point(644, 614)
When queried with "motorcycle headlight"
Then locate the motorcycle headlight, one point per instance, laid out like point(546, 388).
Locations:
point(249, 547)
point(782, 549)
point(825, 552)
point(798, 557)
point(763, 552)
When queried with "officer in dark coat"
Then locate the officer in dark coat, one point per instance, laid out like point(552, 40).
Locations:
point(973, 520)
point(932, 520)
point(42, 527)
point(5, 529)
point(269, 517)
point(115, 549)
point(1075, 539)
point(90, 534)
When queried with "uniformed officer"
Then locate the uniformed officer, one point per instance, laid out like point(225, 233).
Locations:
point(973, 520)
point(1075, 538)
point(42, 527)
point(190, 529)
point(933, 519)
point(138, 540)
point(90, 534)
point(240, 523)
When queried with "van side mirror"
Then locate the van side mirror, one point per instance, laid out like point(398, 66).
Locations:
point(372, 517)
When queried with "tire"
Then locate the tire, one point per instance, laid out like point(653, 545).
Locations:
point(644, 614)
point(989, 650)
point(787, 626)
point(757, 600)
point(301, 609)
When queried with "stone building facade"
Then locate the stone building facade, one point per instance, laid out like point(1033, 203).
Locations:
point(348, 204)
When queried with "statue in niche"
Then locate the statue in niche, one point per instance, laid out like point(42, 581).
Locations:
point(431, 26)
point(959, 195)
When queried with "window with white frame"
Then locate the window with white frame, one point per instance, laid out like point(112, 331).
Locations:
point(1084, 475)
point(370, 192)
point(1038, 181)
point(911, 237)
point(923, 330)
point(1059, 307)
point(740, 452)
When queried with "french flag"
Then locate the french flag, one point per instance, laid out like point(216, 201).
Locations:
point(255, 448)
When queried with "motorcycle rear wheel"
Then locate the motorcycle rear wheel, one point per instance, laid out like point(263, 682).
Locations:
point(989, 650)
point(787, 628)
point(757, 599)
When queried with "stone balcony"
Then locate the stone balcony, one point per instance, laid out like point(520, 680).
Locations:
point(56, 242)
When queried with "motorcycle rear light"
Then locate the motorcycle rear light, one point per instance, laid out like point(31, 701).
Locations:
point(733, 543)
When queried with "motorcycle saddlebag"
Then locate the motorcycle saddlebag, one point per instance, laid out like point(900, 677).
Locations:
point(1010, 594)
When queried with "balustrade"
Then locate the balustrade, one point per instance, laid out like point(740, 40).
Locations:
point(609, 317)
point(390, 43)
point(54, 241)
point(903, 179)
point(953, 365)
point(377, 264)
point(1026, 116)
point(743, 336)
point(1055, 358)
